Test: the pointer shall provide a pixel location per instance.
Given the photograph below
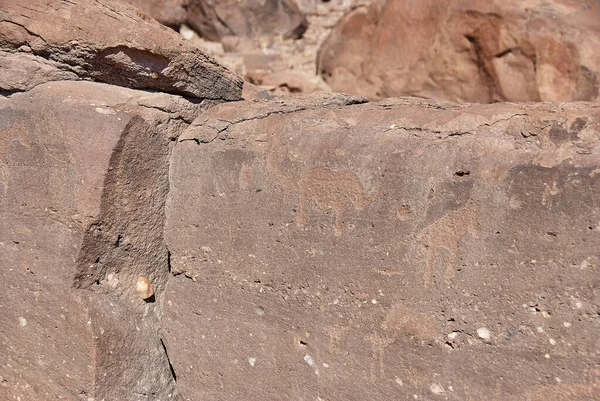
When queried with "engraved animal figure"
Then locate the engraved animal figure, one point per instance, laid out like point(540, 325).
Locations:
point(325, 187)
point(16, 133)
point(446, 233)
point(379, 342)
point(334, 189)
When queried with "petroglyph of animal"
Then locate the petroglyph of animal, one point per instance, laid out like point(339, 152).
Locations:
point(399, 323)
point(14, 134)
point(446, 233)
point(331, 189)
point(325, 187)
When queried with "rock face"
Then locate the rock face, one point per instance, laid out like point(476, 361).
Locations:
point(476, 51)
point(84, 176)
point(46, 40)
point(312, 247)
point(161, 247)
point(385, 251)
point(214, 19)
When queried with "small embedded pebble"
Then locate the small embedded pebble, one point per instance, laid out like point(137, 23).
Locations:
point(483, 333)
point(567, 324)
point(436, 389)
point(309, 360)
point(22, 321)
point(552, 341)
point(143, 288)
point(251, 361)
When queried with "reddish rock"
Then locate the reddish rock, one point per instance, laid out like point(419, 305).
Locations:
point(107, 42)
point(171, 13)
point(214, 19)
point(394, 250)
point(482, 51)
point(83, 180)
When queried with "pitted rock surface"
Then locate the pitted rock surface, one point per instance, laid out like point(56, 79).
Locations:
point(393, 250)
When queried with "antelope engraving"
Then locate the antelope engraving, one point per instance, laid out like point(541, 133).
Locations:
point(445, 234)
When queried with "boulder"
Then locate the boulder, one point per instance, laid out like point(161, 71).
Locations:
point(214, 19)
point(45, 40)
point(83, 182)
point(171, 13)
point(461, 50)
point(323, 248)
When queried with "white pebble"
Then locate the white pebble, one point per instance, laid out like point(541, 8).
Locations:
point(452, 335)
point(251, 361)
point(483, 333)
point(399, 381)
point(22, 321)
point(309, 360)
point(567, 324)
point(552, 341)
point(436, 389)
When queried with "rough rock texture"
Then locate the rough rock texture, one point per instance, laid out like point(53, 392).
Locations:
point(214, 19)
point(83, 181)
point(171, 13)
point(462, 50)
point(396, 250)
point(45, 40)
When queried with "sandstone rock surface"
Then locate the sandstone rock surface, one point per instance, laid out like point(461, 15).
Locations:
point(83, 181)
point(214, 19)
point(160, 247)
point(323, 249)
point(171, 13)
point(460, 50)
point(45, 40)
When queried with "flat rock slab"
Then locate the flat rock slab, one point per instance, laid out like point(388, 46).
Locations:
point(395, 250)
point(46, 40)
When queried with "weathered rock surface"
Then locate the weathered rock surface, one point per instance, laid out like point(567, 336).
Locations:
point(171, 13)
point(461, 50)
point(214, 19)
point(83, 181)
point(45, 40)
point(396, 250)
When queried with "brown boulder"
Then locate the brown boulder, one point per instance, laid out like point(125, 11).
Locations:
point(107, 42)
point(214, 19)
point(462, 50)
point(397, 250)
point(83, 181)
point(171, 13)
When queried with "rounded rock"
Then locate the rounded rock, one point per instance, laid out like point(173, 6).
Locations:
point(143, 288)
point(483, 333)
